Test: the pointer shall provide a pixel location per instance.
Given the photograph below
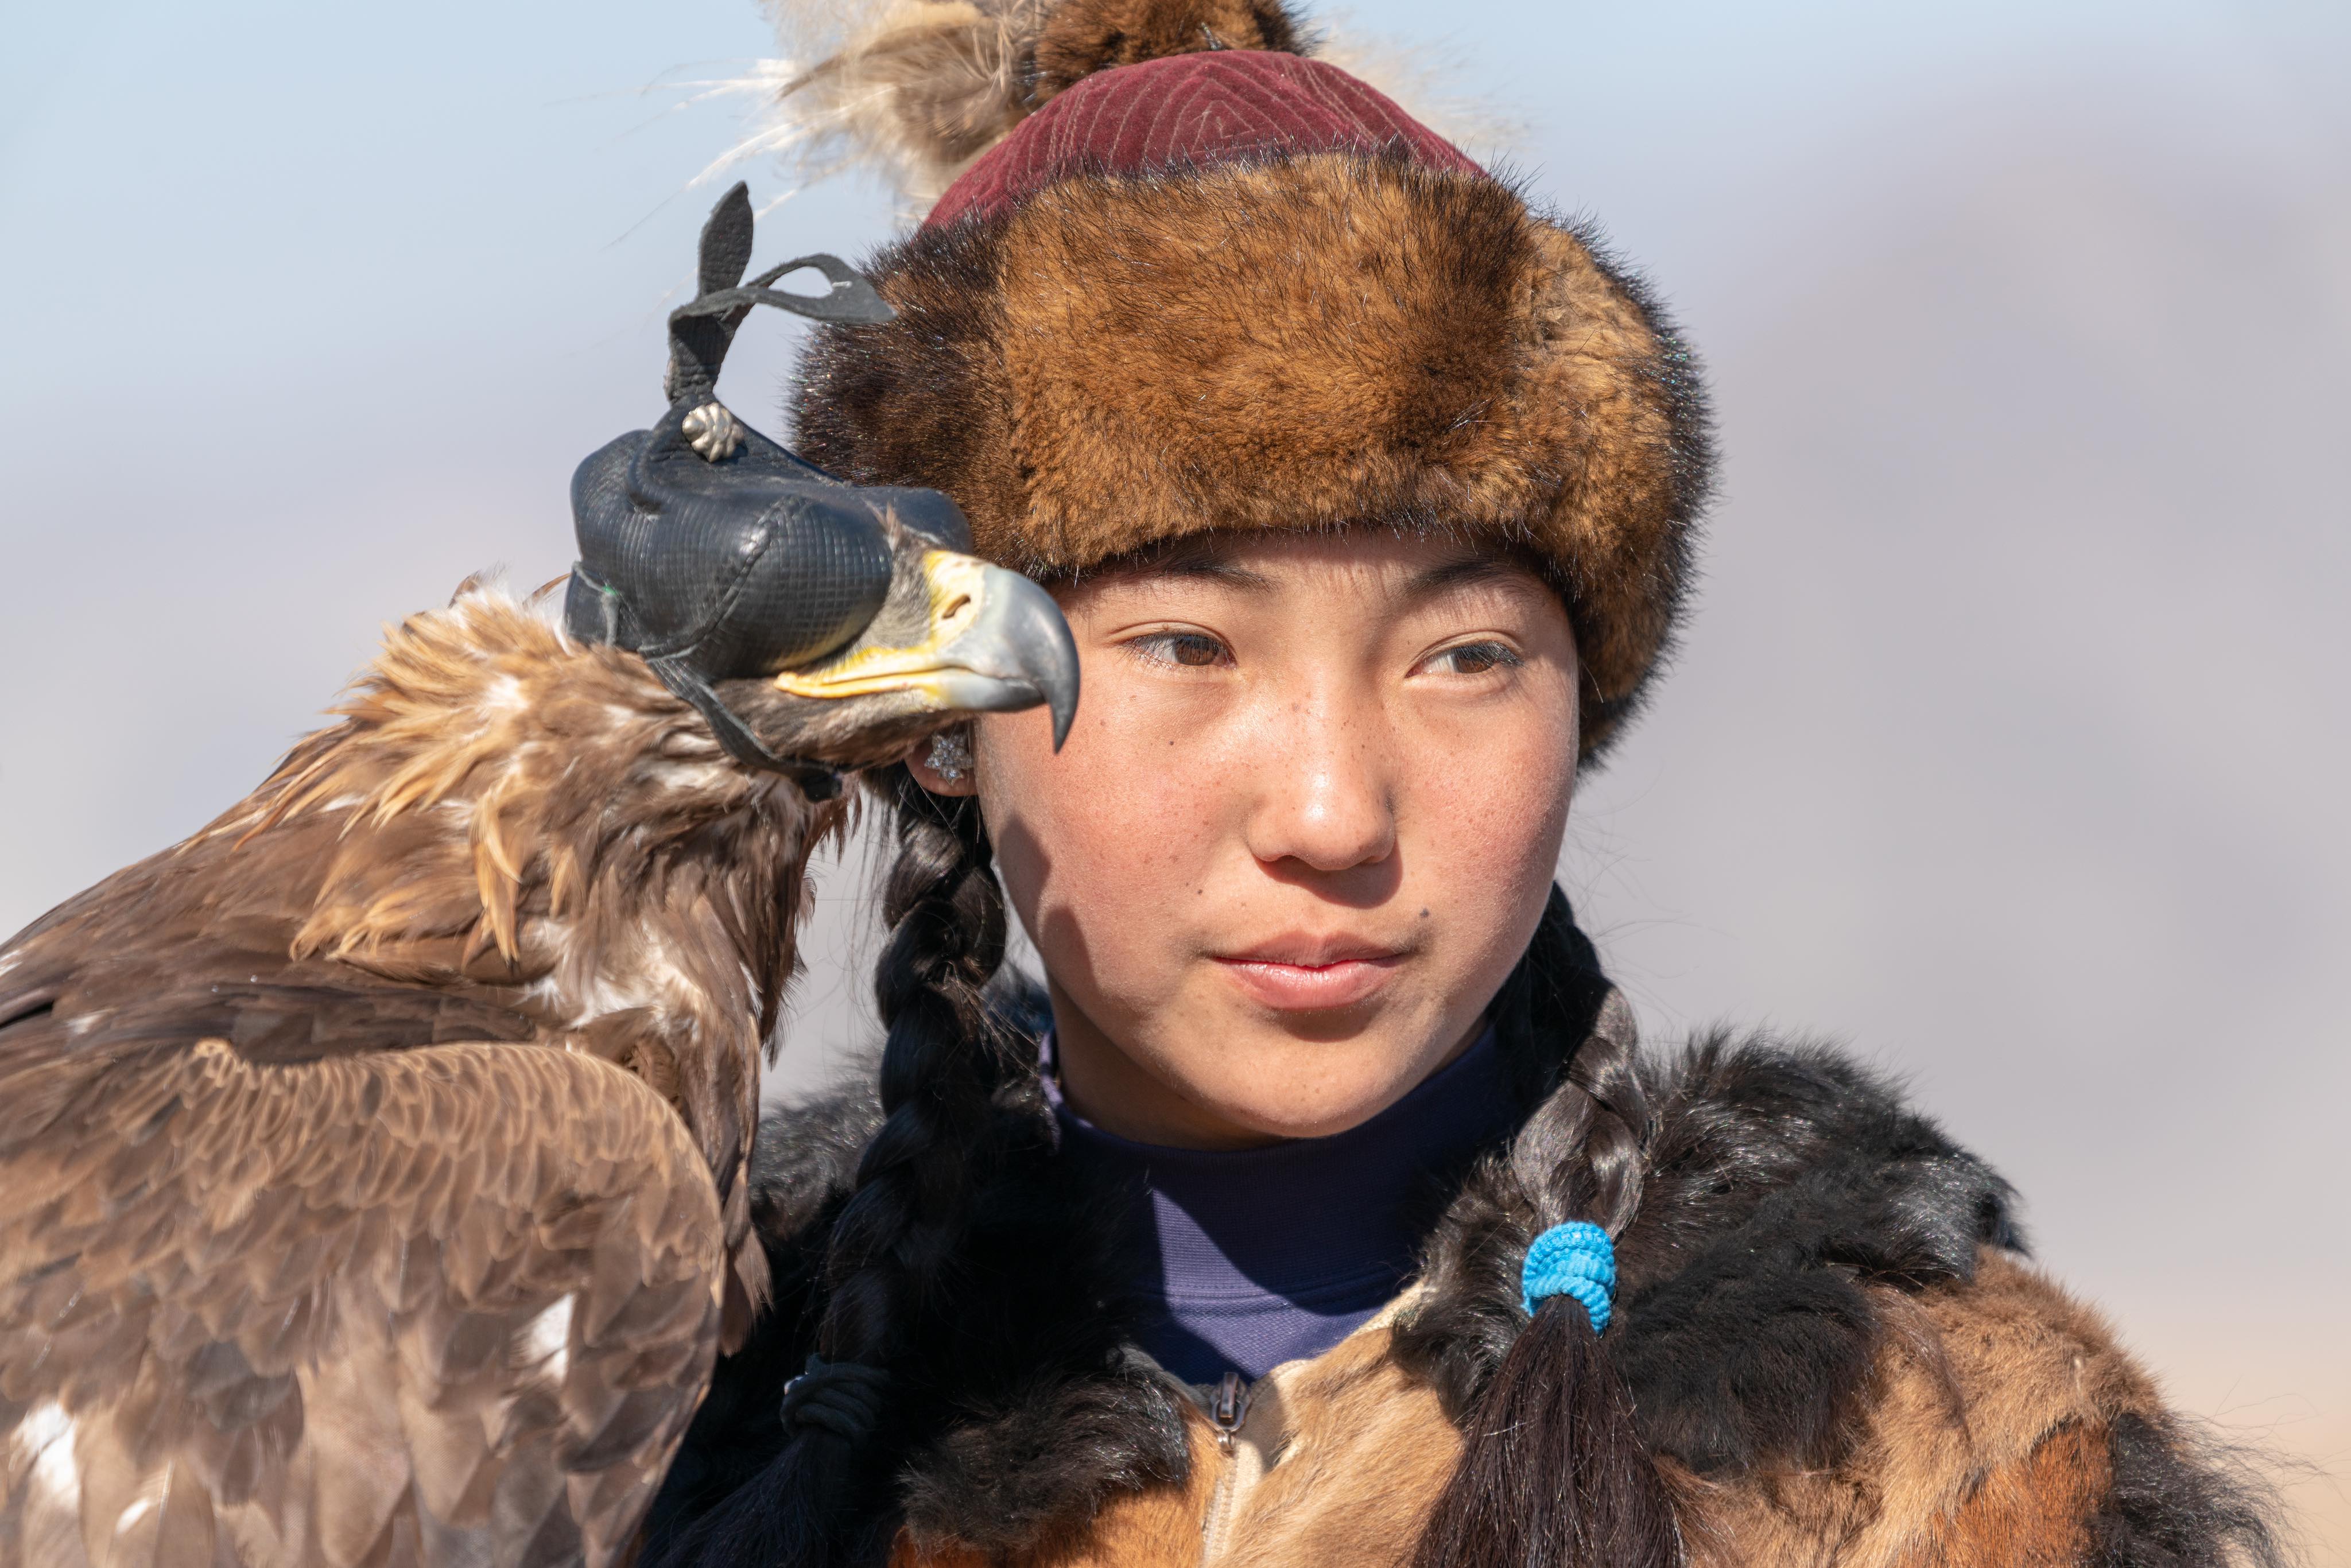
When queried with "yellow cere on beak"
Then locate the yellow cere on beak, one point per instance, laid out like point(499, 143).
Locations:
point(994, 642)
point(955, 584)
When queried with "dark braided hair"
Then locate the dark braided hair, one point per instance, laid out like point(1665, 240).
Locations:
point(939, 1076)
point(821, 1500)
point(1551, 1473)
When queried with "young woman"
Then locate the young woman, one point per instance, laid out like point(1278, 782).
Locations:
point(1322, 1210)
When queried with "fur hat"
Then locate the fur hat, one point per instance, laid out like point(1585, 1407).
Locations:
point(1182, 277)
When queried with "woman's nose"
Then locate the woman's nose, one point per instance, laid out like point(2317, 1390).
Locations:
point(1323, 799)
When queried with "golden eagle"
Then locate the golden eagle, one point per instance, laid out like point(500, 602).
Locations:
point(372, 1164)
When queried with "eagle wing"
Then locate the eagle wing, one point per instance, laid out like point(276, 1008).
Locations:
point(448, 1304)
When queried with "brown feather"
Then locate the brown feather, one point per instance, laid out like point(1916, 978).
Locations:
point(375, 1156)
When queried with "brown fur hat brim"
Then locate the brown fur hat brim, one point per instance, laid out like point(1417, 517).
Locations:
point(1302, 342)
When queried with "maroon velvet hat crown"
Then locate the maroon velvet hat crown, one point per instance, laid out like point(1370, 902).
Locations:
point(1193, 110)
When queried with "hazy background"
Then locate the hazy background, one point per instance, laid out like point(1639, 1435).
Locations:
point(2010, 743)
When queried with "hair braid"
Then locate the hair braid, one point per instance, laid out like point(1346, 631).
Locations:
point(942, 1065)
point(939, 1074)
point(1552, 1473)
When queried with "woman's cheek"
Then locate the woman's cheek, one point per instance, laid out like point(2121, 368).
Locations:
point(1504, 821)
point(1100, 844)
point(1492, 808)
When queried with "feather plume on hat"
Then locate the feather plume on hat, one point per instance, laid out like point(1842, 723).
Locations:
point(914, 91)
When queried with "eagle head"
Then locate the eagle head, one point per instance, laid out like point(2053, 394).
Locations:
point(817, 625)
point(953, 635)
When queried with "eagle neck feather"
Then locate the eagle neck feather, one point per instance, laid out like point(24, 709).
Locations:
point(504, 807)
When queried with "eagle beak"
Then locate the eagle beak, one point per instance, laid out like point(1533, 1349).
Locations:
point(994, 642)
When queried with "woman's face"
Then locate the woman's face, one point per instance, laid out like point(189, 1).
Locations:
point(1301, 831)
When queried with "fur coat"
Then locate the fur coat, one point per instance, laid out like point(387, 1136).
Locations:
point(1837, 1348)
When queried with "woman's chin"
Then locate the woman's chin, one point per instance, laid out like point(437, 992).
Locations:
point(1275, 1119)
point(1292, 1088)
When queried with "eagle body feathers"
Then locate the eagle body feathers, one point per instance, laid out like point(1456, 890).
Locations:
point(375, 1159)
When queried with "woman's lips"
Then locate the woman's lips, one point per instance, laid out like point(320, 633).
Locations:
point(1308, 976)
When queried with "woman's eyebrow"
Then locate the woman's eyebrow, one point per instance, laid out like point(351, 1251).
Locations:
point(1468, 570)
point(1201, 560)
point(1230, 573)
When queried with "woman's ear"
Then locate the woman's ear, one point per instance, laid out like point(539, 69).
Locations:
point(943, 764)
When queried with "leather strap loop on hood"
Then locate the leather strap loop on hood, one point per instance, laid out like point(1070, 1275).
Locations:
point(713, 551)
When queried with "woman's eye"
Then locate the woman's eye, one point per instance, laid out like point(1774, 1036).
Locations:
point(1195, 650)
point(1473, 659)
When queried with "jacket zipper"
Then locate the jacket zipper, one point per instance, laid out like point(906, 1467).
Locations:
point(1227, 1408)
point(1227, 1405)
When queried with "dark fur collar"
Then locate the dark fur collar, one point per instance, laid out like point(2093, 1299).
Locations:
point(1783, 1179)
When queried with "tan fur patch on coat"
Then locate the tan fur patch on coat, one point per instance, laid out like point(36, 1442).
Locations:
point(1984, 1446)
point(1338, 1460)
point(1365, 1453)
point(1985, 1441)
point(2030, 1514)
point(1314, 342)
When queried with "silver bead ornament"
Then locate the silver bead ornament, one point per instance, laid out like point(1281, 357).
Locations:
point(712, 431)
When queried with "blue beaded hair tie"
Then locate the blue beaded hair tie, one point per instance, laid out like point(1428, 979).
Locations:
point(1571, 1260)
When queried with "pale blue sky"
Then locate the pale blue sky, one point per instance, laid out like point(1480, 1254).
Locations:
point(241, 180)
point(2009, 741)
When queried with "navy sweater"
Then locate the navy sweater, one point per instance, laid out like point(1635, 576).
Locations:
point(1249, 1257)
